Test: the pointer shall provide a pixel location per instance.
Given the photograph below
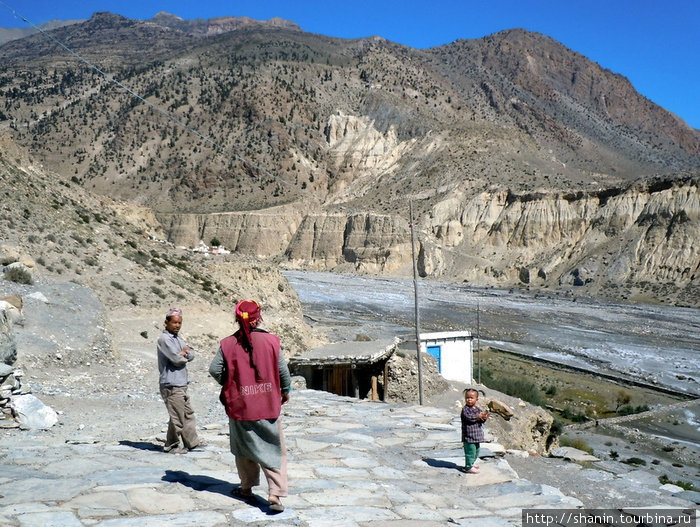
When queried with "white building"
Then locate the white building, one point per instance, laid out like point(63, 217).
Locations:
point(453, 351)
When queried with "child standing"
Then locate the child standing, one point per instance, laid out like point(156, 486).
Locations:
point(472, 432)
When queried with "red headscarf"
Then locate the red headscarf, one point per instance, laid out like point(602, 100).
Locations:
point(247, 312)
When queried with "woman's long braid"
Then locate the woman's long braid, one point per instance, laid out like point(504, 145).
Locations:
point(248, 312)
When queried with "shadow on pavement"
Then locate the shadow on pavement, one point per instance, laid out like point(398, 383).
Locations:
point(439, 463)
point(209, 484)
point(142, 445)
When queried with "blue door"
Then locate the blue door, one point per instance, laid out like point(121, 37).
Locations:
point(435, 352)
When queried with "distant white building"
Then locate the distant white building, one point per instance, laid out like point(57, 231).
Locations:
point(453, 351)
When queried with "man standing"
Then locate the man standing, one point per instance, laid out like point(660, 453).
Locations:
point(173, 356)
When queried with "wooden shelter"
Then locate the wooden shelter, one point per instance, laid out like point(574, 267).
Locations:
point(347, 368)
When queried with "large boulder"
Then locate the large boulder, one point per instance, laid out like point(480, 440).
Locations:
point(517, 424)
point(32, 414)
point(8, 346)
point(12, 306)
point(402, 378)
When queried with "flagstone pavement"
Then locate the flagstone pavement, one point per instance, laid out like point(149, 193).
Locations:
point(351, 463)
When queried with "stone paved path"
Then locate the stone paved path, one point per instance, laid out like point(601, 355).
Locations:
point(351, 463)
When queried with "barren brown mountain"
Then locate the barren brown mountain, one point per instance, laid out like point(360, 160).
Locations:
point(526, 163)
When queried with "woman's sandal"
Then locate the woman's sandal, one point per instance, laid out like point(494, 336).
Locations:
point(275, 505)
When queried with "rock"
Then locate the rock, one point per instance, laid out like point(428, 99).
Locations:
point(21, 267)
point(402, 384)
point(642, 477)
point(529, 427)
point(32, 414)
point(690, 495)
point(81, 440)
point(491, 449)
point(15, 301)
point(500, 408)
point(8, 346)
point(9, 254)
point(670, 488)
point(13, 314)
point(298, 382)
point(40, 297)
point(572, 454)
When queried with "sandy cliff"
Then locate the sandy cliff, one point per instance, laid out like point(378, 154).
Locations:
point(636, 241)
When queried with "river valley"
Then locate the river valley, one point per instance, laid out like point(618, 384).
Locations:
point(656, 345)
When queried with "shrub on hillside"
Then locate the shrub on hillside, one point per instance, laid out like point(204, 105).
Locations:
point(525, 390)
point(685, 485)
point(635, 461)
point(20, 275)
point(628, 409)
point(577, 443)
point(575, 416)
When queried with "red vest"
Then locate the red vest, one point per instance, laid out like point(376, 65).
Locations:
point(245, 397)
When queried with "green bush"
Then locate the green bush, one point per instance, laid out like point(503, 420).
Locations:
point(557, 427)
point(20, 275)
point(158, 291)
point(685, 485)
point(525, 390)
point(576, 443)
point(635, 461)
point(138, 257)
point(628, 409)
point(575, 416)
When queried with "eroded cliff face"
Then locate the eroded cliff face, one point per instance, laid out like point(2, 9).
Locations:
point(261, 233)
point(641, 239)
point(636, 242)
point(320, 241)
point(358, 153)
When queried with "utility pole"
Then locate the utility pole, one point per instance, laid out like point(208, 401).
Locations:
point(415, 297)
point(478, 344)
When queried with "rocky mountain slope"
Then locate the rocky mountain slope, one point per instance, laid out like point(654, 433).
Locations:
point(527, 163)
point(102, 262)
point(14, 33)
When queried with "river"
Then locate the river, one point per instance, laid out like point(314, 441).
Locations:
point(652, 343)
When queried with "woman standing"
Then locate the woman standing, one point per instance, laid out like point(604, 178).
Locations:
point(255, 383)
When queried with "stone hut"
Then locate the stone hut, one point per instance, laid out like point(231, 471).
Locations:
point(354, 369)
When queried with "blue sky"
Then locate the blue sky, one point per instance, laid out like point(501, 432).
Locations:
point(654, 43)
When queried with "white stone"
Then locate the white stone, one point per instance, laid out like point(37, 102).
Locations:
point(671, 488)
point(39, 296)
point(573, 454)
point(32, 414)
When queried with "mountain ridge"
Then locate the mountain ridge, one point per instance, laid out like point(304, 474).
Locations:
point(328, 126)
